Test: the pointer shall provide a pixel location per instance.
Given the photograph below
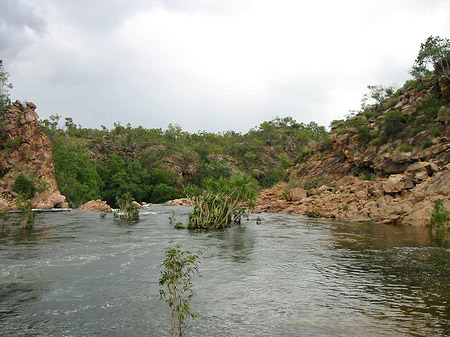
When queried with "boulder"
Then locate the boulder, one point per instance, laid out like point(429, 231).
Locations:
point(397, 183)
point(180, 202)
point(96, 205)
point(296, 194)
point(419, 171)
point(49, 199)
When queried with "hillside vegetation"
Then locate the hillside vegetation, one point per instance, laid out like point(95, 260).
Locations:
point(156, 165)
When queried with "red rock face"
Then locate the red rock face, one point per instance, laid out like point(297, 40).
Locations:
point(26, 150)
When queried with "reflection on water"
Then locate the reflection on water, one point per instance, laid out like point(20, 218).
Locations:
point(76, 274)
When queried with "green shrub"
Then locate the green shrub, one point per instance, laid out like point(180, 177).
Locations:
point(427, 144)
point(179, 225)
point(11, 144)
point(314, 183)
point(354, 122)
point(370, 176)
point(271, 178)
point(417, 130)
point(176, 285)
point(337, 123)
point(24, 186)
point(435, 132)
point(128, 210)
point(440, 224)
point(414, 84)
point(306, 152)
point(405, 148)
point(390, 103)
point(373, 113)
point(430, 106)
point(364, 135)
point(393, 123)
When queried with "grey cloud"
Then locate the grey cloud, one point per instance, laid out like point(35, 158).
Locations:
point(15, 16)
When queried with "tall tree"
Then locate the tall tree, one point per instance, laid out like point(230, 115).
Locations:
point(435, 51)
point(5, 86)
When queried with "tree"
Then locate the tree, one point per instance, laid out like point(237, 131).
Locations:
point(435, 51)
point(5, 86)
point(377, 93)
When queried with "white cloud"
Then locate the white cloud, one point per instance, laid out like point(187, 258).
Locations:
point(212, 66)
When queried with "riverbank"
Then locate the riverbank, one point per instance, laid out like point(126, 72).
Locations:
point(393, 200)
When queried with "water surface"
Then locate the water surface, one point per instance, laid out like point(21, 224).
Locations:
point(76, 274)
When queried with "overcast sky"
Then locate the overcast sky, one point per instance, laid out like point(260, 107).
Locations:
point(212, 65)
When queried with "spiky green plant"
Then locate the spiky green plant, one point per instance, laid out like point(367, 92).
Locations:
point(222, 203)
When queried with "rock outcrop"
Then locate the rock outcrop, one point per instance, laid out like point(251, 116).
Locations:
point(386, 165)
point(364, 200)
point(26, 150)
point(96, 205)
point(180, 202)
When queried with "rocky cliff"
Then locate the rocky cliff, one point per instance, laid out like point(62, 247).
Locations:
point(386, 164)
point(26, 152)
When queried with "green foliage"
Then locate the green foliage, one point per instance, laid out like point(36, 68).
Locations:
point(427, 144)
point(435, 132)
point(179, 225)
point(176, 284)
point(5, 86)
point(364, 135)
point(414, 84)
point(222, 203)
point(393, 123)
point(303, 155)
point(430, 106)
point(369, 113)
point(435, 51)
point(337, 123)
point(271, 178)
point(440, 224)
point(155, 165)
point(161, 186)
point(128, 210)
point(405, 148)
point(314, 182)
point(120, 177)
point(27, 216)
point(76, 174)
point(24, 186)
point(355, 122)
point(377, 96)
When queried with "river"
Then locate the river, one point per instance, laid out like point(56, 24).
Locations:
point(77, 274)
